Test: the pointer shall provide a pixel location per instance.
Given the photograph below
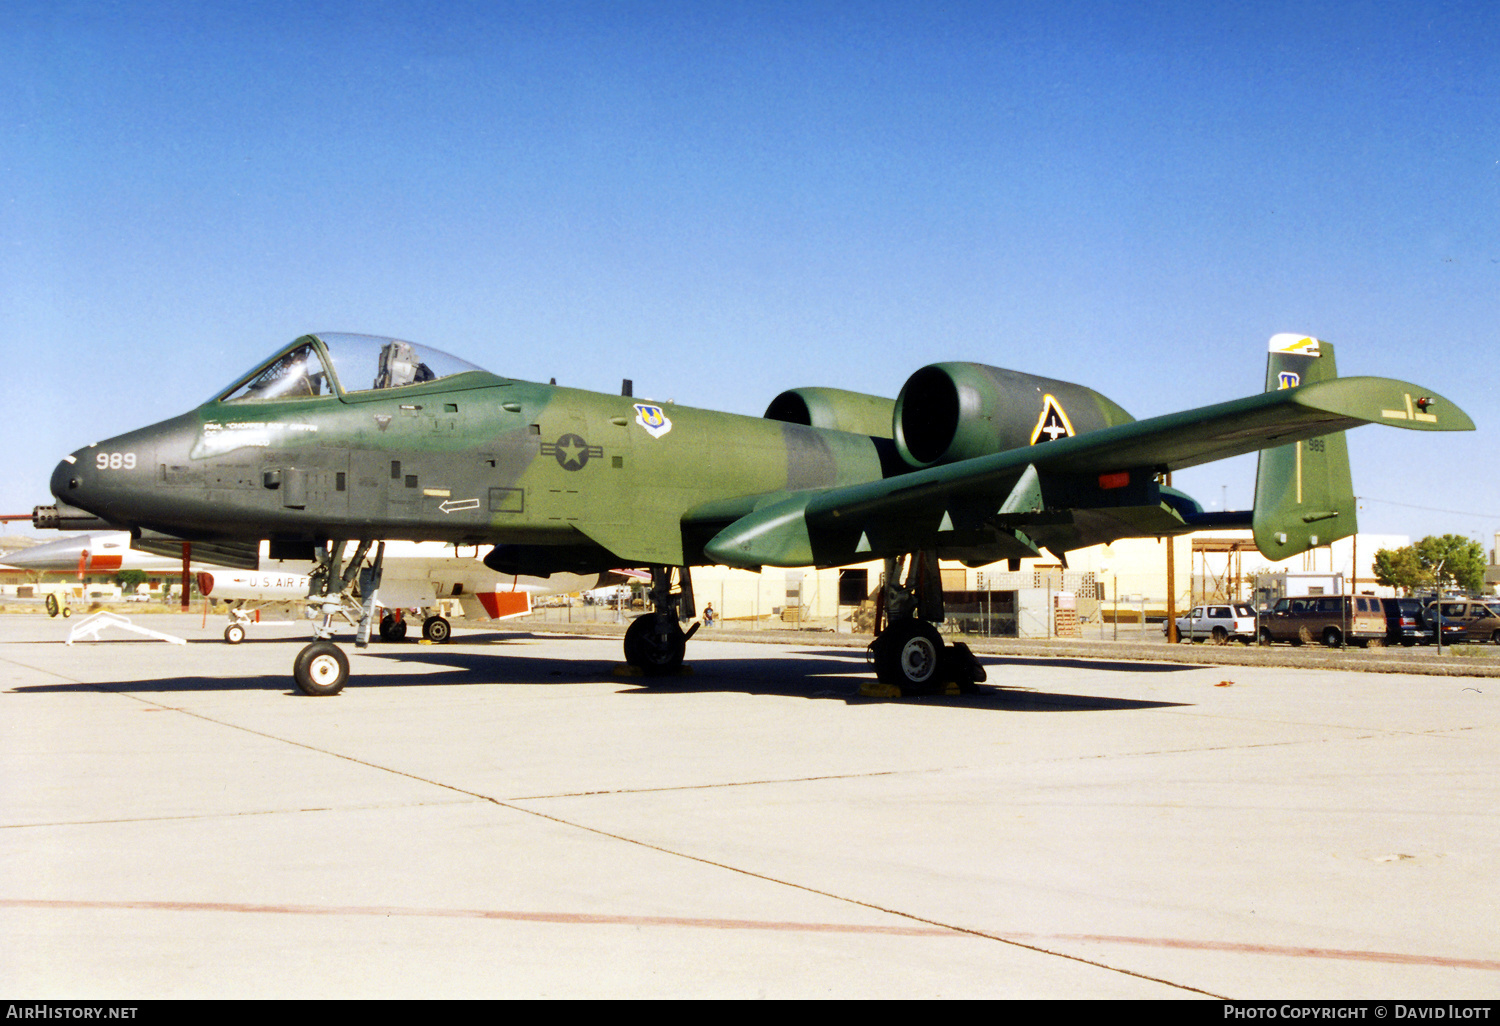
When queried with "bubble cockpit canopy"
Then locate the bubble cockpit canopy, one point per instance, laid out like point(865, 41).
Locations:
point(359, 363)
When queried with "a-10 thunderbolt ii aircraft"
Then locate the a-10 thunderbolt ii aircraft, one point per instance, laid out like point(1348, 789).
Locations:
point(419, 576)
point(342, 439)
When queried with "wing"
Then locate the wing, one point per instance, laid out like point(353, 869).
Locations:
point(1061, 494)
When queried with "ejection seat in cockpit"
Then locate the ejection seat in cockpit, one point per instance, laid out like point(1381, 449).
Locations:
point(399, 366)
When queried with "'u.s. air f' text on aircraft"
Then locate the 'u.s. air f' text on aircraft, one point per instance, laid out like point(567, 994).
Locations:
point(418, 576)
point(342, 440)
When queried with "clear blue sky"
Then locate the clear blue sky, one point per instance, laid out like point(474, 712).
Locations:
point(722, 200)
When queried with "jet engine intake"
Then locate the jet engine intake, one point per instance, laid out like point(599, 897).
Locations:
point(948, 412)
point(834, 409)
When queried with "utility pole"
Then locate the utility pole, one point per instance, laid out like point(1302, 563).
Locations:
point(1437, 605)
point(1171, 585)
point(1171, 593)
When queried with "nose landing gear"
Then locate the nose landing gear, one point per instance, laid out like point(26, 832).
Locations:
point(321, 668)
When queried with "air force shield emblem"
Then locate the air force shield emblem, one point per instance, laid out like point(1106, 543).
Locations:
point(653, 419)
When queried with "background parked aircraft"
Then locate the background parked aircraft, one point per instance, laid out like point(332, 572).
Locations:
point(417, 576)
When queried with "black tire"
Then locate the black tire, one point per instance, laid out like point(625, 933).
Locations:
point(1221, 636)
point(437, 630)
point(392, 629)
point(908, 655)
point(962, 667)
point(652, 651)
point(234, 633)
point(1332, 637)
point(54, 607)
point(1265, 636)
point(321, 669)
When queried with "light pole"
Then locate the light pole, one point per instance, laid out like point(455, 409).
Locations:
point(1104, 568)
point(1437, 605)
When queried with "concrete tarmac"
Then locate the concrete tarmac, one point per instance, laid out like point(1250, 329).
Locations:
point(507, 816)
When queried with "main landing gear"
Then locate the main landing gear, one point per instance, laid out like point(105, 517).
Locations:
point(435, 628)
point(322, 668)
point(393, 627)
point(909, 654)
point(655, 643)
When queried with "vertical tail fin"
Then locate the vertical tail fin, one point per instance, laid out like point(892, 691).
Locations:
point(1304, 496)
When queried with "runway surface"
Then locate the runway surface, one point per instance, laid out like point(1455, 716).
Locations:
point(506, 816)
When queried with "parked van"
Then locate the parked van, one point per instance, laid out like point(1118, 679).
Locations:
point(1406, 622)
point(1468, 620)
point(1334, 620)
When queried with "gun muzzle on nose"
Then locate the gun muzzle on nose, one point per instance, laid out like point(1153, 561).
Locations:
point(62, 517)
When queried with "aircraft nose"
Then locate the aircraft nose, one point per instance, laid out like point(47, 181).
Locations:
point(104, 479)
point(119, 479)
point(63, 553)
point(67, 479)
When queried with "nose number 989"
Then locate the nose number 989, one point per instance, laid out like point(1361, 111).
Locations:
point(115, 461)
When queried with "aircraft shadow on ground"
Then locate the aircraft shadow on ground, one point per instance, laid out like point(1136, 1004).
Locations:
point(817, 673)
point(1120, 665)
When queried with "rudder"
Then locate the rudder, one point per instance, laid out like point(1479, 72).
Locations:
point(1304, 495)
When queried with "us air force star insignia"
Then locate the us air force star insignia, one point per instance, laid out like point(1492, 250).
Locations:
point(1052, 424)
point(572, 452)
point(653, 419)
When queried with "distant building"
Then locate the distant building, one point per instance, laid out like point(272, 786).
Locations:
point(1129, 574)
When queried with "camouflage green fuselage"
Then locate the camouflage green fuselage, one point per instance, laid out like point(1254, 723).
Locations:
point(593, 479)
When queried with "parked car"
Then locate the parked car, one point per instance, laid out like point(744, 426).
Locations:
point(1406, 622)
point(1219, 624)
point(1467, 620)
point(1334, 620)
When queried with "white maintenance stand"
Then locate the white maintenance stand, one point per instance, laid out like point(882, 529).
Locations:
point(89, 627)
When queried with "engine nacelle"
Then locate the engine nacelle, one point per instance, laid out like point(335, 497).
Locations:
point(835, 410)
point(955, 411)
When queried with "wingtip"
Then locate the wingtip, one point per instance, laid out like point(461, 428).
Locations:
point(1387, 401)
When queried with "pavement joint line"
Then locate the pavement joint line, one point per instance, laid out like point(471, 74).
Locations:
point(862, 904)
point(1015, 940)
point(677, 854)
point(729, 783)
point(515, 915)
point(39, 669)
point(364, 806)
